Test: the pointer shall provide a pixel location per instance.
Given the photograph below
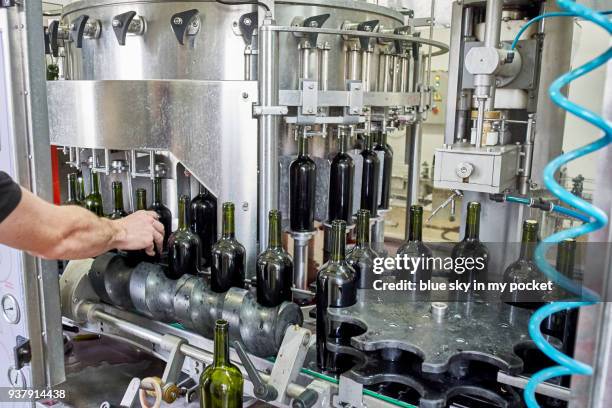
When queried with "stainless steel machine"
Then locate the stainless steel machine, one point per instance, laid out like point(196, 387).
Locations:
point(215, 93)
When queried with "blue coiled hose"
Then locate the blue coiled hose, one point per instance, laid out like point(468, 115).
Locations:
point(597, 218)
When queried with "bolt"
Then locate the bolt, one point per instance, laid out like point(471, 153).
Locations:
point(306, 339)
point(314, 24)
point(117, 23)
point(245, 206)
point(311, 86)
point(245, 95)
point(195, 23)
point(178, 21)
point(247, 22)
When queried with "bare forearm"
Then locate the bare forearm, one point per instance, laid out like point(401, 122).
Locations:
point(71, 232)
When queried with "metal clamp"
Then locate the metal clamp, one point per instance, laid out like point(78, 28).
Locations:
point(269, 110)
point(185, 24)
point(82, 27)
point(135, 173)
point(310, 93)
point(94, 165)
point(127, 23)
point(355, 106)
point(262, 390)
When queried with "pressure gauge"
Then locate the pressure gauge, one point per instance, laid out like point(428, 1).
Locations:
point(10, 309)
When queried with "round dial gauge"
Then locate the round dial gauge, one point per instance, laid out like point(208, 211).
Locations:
point(10, 309)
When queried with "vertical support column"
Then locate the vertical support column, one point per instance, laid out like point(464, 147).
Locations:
point(268, 127)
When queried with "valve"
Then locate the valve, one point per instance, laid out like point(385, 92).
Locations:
point(127, 23)
point(262, 391)
point(57, 32)
point(248, 25)
point(184, 24)
point(368, 26)
point(82, 27)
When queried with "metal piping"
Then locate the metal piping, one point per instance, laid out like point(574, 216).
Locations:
point(268, 177)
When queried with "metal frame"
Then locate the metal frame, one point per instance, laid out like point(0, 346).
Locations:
point(25, 80)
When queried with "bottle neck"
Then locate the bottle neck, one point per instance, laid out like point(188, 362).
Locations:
point(183, 214)
point(338, 241)
point(367, 142)
point(157, 191)
point(529, 240)
point(221, 352)
point(80, 183)
point(382, 139)
point(472, 226)
point(363, 228)
point(343, 144)
point(95, 183)
point(274, 230)
point(415, 232)
point(72, 188)
point(228, 221)
point(302, 143)
point(141, 199)
point(118, 196)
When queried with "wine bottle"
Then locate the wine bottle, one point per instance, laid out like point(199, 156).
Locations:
point(93, 202)
point(118, 211)
point(228, 256)
point(137, 256)
point(183, 245)
point(302, 176)
point(560, 324)
point(221, 383)
point(383, 146)
point(414, 247)
point(361, 257)
point(204, 223)
point(274, 267)
point(341, 175)
point(80, 189)
point(72, 190)
point(369, 177)
point(336, 287)
point(471, 247)
point(165, 216)
point(524, 270)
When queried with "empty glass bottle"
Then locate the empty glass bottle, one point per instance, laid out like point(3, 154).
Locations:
point(336, 287)
point(141, 199)
point(302, 177)
point(274, 267)
point(471, 247)
point(118, 211)
point(369, 177)
point(72, 190)
point(165, 216)
point(361, 257)
point(221, 383)
point(524, 270)
point(228, 256)
point(341, 179)
point(183, 245)
point(204, 222)
point(93, 202)
point(414, 247)
point(385, 193)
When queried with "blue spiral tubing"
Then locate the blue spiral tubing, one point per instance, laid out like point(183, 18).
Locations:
point(598, 219)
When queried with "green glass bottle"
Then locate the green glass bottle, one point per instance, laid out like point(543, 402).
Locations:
point(93, 202)
point(274, 267)
point(369, 176)
point(302, 189)
point(183, 245)
point(414, 247)
point(361, 257)
point(72, 190)
point(221, 383)
point(471, 247)
point(118, 210)
point(336, 287)
point(165, 216)
point(80, 189)
point(524, 270)
point(228, 256)
point(138, 256)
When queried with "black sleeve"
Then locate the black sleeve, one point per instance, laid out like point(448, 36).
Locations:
point(10, 195)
